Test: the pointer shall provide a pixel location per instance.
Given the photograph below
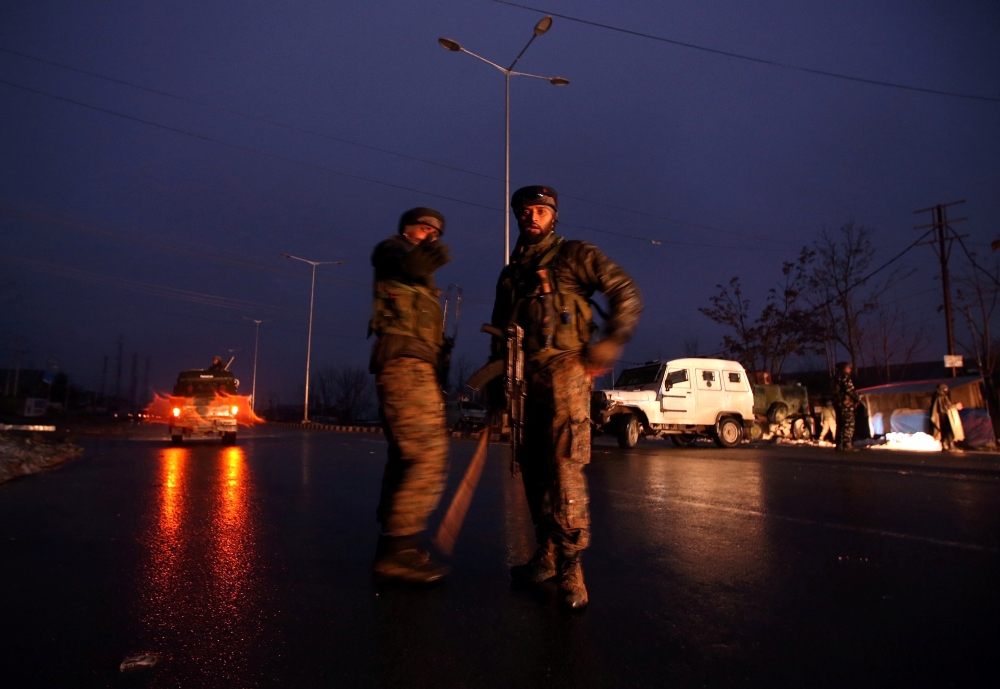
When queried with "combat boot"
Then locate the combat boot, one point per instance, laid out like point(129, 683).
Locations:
point(401, 559)
point(571, 584)
point(541, 567)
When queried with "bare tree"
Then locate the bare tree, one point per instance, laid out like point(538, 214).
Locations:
point(889, 339)
point(463, 369)
point(784, 327)
point(978, 296)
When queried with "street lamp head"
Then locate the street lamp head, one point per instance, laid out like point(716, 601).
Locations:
point(543, 25)
point(287, 255)
point(559, 81)
point(449, 44)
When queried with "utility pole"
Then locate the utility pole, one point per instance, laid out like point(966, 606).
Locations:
point(104, 377)
point(941, 243)
point(144, 394)
point(132, 389)
point(118, 376)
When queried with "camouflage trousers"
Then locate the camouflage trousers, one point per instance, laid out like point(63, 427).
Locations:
point(845, 427)
point(412, 412)
point(556, 448)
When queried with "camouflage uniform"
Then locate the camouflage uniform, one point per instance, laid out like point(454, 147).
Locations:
point(557, 407)
point(407, 319)
point(411, 409)
point(846, 400)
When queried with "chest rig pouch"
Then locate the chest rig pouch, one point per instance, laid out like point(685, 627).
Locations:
point(552, 317)
point(402, 309)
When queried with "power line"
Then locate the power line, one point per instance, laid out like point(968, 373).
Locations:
point(11, 205)
point(239, 147)
point(323, 168)
point(758, 60)
point(331, 137)
point(144, 287)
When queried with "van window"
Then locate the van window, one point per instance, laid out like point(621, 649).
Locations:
point(707, 380)
point(734, 382)
point(679, 378)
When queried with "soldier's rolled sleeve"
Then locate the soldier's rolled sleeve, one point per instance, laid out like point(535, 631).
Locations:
point(599, 273)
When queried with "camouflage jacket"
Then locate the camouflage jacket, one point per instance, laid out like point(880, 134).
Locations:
point(579, 268)
point(844, 394)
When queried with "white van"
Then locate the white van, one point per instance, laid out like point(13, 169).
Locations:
point(683, 398)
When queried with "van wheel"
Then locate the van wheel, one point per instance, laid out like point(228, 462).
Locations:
point(728, 433)
point(683, 439)
point(176, 439)
point(628, 432)
point(228, 438)
point(777, 413)
point(801, 429)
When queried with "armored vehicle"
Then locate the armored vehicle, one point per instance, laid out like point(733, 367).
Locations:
point(204, 404)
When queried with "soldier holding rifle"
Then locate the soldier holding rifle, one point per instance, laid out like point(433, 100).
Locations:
point(543, 295)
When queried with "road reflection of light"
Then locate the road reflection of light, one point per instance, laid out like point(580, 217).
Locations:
point(166, 542)
point(200, 593)
point(233, 535)
point(694, 525)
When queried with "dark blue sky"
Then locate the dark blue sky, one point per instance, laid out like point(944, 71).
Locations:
point(110, 225)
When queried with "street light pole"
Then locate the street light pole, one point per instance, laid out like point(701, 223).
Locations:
point(256, 341)
point(540, 28)
point(312, 295)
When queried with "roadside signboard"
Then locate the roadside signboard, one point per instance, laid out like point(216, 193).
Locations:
point(953, 361)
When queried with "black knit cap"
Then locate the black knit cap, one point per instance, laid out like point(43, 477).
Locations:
point(534, 195)
point(415, 215)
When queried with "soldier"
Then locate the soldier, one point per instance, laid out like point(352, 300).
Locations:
point(407, 321)
point(846, 400)
point(546, 290)
point(217, 364)
point(828, 422)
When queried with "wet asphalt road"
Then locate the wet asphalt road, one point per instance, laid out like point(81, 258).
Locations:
point(249, 566)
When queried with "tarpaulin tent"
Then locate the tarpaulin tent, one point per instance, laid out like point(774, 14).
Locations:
point(900, 403)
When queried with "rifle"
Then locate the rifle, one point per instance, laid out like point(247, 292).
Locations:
point(452, 294)
point(512, 369)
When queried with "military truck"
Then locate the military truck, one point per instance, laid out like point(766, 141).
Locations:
point(684, 399)
point(781, 410)
point(204, 404)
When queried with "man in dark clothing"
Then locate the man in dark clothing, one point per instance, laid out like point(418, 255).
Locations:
point(546, 290)
point(406, 319)
point(846, 399)
point(217, 364)
point(946, 424)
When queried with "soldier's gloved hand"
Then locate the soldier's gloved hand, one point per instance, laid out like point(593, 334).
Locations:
point(424, 259)
point(598, 357)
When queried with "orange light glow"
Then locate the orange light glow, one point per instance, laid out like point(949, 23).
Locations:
point(164, 406)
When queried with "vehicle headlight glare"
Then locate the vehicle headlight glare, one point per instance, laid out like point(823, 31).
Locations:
point(234, 409)
point(177, 411)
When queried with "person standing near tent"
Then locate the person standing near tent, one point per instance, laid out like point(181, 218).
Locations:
point(846, 399)
point(828, 422)
point(945, 421)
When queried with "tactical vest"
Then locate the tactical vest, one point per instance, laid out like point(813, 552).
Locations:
point(553, 318)
point(402, 309)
